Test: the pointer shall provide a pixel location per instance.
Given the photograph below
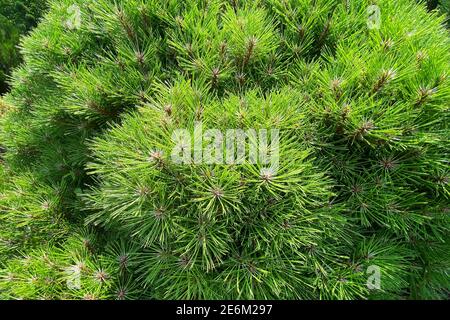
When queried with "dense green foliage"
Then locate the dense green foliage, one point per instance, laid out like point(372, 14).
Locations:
point(438, 4)
point(88, 184)
point(16, 18)
point(444, 7)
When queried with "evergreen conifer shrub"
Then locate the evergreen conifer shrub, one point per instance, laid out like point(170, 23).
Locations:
point(95, 202)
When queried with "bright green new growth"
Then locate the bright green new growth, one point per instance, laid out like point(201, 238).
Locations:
point(89, 186)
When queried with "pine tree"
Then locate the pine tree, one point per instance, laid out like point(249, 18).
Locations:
point(94, 206)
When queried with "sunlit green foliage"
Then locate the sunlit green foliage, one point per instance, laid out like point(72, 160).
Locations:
point(89, 185)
